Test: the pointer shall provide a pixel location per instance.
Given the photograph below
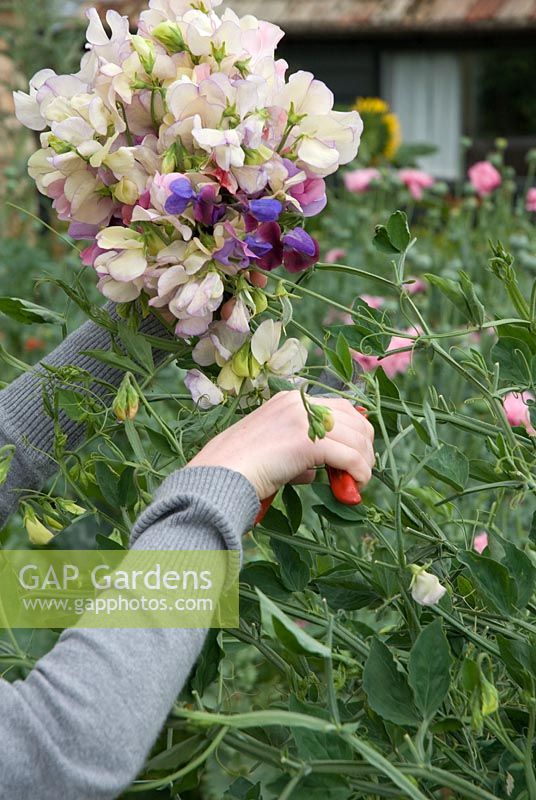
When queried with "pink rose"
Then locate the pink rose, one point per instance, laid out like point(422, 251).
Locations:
point(530, 203)
point(484, 177)
point(480, 542)
point(416, 180)
point(359, 180)
point(334, 255)
point(517, 410)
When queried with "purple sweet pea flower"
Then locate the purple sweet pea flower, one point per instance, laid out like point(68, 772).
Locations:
point(81, 230)
point(300, 251)
point(257, 246)
point(206, 210)
point(182, 194)
point(270, 233)
point(265, 209)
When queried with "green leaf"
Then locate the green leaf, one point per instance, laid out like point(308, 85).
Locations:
point(275, 520)
point(387, 689)
point(108, 483)
point(474, 306)
point(137, 346)
point(398, 231)
point(492, 580)
point(519, 658)
point(295, 573)
point(451, 290)
point(314, 745)
point(180, 753)
point(208, 665)
point(345, 357)
point(532, 531)
point(520, 567)
point(449, 465)
point(382, 241)
point(124, 363)
point(73, 404)
point(355, 514)
point(293, 507)
point(126, 489)
point(29, 313)
point(429, 669)
point(514, 358)
point(345, 589)
point(388, 390)
point(266, 576)
point(287, 632)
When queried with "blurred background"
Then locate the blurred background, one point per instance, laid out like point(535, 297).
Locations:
point(441, 84)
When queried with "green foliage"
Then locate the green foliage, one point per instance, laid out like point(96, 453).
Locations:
point(337, 683)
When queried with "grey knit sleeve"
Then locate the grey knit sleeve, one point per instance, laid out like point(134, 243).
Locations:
point(24, 421)
point(81, 725)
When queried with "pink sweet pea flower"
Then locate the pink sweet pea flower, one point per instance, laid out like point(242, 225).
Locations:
point(392, 365)
point(517, 410)
point(530, 202)
point(359, 180)
point(417, 287)
point(416, 181)
point(480, 542)
point(484, 177)
point(334, 255)
point(372, 300)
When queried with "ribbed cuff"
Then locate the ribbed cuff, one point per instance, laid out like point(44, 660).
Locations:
point(21, 403)
point(216, 497)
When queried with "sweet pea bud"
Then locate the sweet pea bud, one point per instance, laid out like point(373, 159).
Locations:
point(126, 403)
point(70, 507)
point(37, 532)
point(259, 299)
point(133, 402)
point(260, 155)
point(169, 161)
point(240, 361)
point(280, 290)
point(126, 192)
point(320, 421)
point(170, 35)
point(145, 51)
point(53, 523)
point(254, 367)
point(59, 146)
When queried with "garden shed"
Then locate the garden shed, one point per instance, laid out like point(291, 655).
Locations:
point(449, 68)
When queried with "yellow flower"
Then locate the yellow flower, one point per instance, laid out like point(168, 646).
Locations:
point(381, 136)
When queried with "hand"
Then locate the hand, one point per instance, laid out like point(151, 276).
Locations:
point(271, 446)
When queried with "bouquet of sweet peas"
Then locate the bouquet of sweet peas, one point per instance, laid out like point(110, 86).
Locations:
point(190, 162)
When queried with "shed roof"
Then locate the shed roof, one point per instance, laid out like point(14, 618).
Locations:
point(377, 16)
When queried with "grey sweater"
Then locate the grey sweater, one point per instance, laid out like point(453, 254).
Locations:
point(81, 725)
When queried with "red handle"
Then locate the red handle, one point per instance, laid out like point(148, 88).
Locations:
point(345, 488)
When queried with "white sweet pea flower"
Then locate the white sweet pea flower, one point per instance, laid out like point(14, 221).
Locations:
point(123, 265)
point(283, 362)
point(306, 95)
point(118, 238)
point(119, 291)
point(328, 141)
point(223, 145)
point(204, 393)
point(218, 346)
point(289, 359)
point(426, 589)
point(27, 108)
point(198, 298)
point(240, 316)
